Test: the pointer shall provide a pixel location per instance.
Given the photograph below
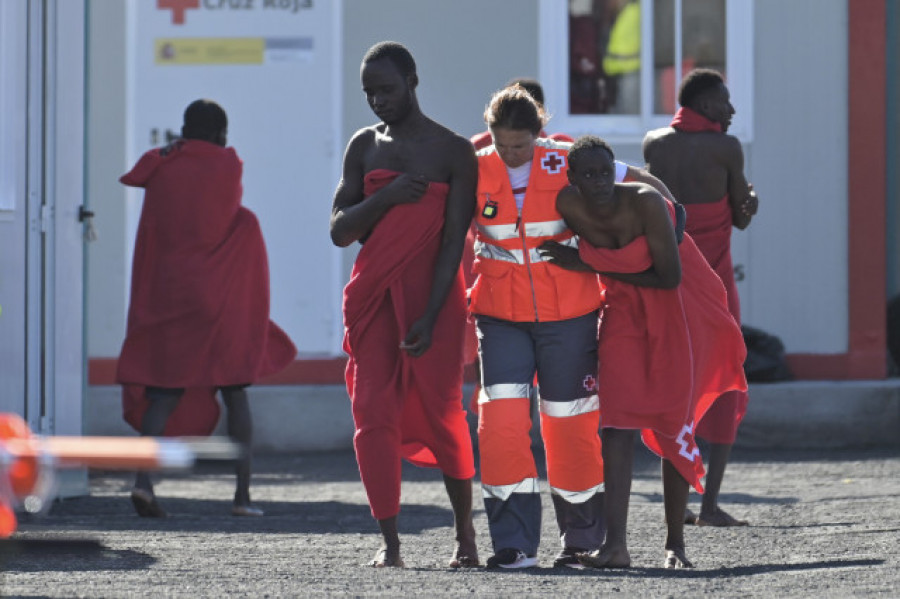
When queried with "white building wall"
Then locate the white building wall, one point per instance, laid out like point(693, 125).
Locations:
point(13, 215)
point(107, 159)
point(280, 124)
point(795, 251)
point(464, 51)
point(794, 254)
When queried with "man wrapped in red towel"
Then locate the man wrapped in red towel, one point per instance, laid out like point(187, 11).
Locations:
point(198, 320)
point(407, 193)
point(704, 167)
point(668, 345)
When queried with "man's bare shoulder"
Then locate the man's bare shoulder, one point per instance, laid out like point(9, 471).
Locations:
point(366, 134)
point(567, 197)
point(453, 147)
point(641, 195)
point(359, 148)
point(363, 139)
point(572, 206)
point(730, 142)
point(656, 139)
point(727, 147)
point(634, 188)
point(453, 140)
point(656, 134)
point(661, 132)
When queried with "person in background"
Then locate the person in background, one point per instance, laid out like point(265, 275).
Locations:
point(704, 168)
point(533, 87)
point(198, 318)
point(622, 59)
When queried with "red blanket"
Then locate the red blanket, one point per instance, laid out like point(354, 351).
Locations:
point(199, 311)
point(665, 354)
point(691, 121)
point(388, 289)
point(710, 226)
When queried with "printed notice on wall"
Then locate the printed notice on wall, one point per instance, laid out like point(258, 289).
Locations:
point(273, 66)
point(219, 50)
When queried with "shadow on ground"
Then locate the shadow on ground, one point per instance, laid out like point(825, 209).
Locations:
point(67, 555)
point(198, 515)
point(724, 572)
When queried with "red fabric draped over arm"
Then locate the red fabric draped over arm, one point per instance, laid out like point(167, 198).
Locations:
point(199, 310)
point(665, 354)
point(395, 268)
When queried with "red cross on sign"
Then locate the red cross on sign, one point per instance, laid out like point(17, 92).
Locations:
point(178, 8)
point(553, 163)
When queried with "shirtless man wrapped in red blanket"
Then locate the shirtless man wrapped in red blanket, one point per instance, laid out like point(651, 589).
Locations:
point(198, 320)
point(703, 166)
point(407, 193)
point(668, 345)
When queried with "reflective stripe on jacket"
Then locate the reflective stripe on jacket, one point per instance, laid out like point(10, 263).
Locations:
point(514, 281)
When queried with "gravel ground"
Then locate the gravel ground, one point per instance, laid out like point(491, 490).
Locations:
point(823, 523)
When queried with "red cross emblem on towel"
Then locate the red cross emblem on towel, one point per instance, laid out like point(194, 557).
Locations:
point(553, 163)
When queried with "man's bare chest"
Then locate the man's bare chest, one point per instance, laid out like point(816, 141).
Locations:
point(427, 158)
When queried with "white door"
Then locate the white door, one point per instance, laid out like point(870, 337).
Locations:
point(41, 237)
point(13, 205)
point(274, 68)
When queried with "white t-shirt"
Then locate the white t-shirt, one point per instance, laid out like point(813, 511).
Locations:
point(518, 179)
point(621, 171)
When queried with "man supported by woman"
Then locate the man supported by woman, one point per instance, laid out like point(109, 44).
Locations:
point(668, 345)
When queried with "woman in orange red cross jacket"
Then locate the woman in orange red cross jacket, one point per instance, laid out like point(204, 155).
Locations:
point(533, 317)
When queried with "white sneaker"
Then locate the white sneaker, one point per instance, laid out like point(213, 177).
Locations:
point(512, 559)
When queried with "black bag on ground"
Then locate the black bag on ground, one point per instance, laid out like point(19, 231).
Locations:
point(765, 361)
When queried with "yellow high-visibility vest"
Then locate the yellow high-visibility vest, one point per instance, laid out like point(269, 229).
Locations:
point(623, 53)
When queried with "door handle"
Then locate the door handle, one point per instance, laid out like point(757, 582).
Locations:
point(86, 217)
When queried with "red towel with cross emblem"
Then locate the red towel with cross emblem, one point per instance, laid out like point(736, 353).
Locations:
point(665, 354)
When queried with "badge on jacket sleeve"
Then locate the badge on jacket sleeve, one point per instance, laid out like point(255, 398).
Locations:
point(490, 208)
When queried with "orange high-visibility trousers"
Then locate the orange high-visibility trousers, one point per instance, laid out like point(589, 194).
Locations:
point(564, 356)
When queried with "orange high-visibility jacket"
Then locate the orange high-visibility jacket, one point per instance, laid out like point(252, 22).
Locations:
point(514, 281)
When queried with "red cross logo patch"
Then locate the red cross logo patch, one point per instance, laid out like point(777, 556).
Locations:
point(553, 162)
point(590, 383)
point(178, 8)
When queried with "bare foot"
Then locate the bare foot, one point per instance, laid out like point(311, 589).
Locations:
point(606, 557)
point(689, 517)
point(719, 518)
point(387, 558)
point(463, 559)
point(145, 504)
point(466, 553)
point(676, 559)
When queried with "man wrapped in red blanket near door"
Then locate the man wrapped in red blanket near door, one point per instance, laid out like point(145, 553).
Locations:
point(198, 320)
point(407, 193)
point(668, 345)
point(704, 169)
